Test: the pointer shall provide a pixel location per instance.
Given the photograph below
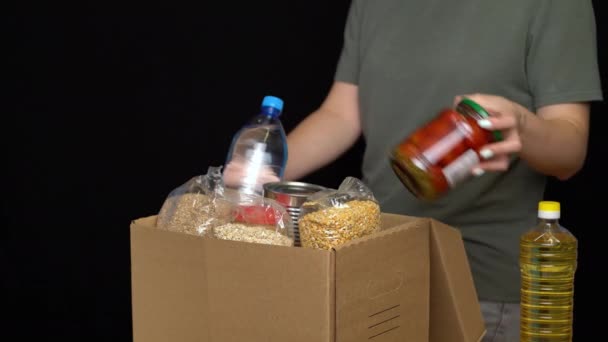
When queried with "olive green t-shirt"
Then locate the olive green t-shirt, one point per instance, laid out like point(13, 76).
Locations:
point(410, 58)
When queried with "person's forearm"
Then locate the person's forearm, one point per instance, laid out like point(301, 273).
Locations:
point(318, 140)
point(554, 142)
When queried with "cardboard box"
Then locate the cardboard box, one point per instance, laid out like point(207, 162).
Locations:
point(410, 282)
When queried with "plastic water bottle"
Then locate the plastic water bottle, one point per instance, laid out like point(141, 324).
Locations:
point(258, 153)
point(548, 260)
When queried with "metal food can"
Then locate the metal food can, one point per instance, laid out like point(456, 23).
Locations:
point(291, 195)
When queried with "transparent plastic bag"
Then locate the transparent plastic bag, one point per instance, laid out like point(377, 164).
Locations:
point(196, 206)
point(332, 217)
point(258, 220)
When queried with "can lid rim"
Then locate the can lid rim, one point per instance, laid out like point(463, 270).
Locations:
point(283, 188)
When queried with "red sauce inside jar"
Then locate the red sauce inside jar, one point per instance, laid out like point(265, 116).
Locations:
point(441, 154)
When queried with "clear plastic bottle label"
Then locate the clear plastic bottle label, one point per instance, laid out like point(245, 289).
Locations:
point(460, 169)
point(256, 163)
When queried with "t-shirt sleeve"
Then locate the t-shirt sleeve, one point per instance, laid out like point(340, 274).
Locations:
point(562, 61)
point(348, 64)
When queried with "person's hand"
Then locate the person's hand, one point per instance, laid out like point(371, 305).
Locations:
point(505, 116)
point(238, 171)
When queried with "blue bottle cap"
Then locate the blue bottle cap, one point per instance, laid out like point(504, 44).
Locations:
point(274, 102)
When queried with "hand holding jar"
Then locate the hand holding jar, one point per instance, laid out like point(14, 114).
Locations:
point(505, 116)
point(445, 152)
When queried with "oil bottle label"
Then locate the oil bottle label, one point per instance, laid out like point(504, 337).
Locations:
point(460, 169)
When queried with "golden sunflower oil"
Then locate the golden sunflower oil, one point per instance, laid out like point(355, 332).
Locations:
point(548, 260)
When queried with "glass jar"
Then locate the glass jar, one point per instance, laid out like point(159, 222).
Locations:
point(441, 154)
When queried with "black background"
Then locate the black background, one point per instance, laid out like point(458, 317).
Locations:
point(110, 108)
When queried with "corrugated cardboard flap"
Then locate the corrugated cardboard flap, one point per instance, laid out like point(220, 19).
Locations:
point(455, 310)
point(169, 298)
point(376, 277)
point(188, 288)
point(269, 293)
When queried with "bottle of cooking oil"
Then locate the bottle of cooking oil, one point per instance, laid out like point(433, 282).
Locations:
point(548, 257)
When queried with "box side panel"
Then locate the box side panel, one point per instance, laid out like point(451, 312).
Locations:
point(382, 286)
point(389, 221)
point(168, 286)
point(455, 311)
point(269, 293)
point(148, 222)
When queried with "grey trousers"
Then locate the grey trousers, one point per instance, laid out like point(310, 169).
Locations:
point(502, 321)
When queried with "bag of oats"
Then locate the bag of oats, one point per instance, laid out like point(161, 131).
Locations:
point(332, 217)
point(258, 220)
point(196, 206)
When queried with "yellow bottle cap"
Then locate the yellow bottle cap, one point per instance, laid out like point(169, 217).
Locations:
point(548, 206)
point(548, 209)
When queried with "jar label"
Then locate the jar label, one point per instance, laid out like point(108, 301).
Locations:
point(443, 146)
point(460, 169)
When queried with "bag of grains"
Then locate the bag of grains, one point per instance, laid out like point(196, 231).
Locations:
point(257, 220)
point(196, 206)
point(332, 217)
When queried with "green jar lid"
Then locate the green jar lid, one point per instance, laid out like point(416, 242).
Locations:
point(483, 113)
